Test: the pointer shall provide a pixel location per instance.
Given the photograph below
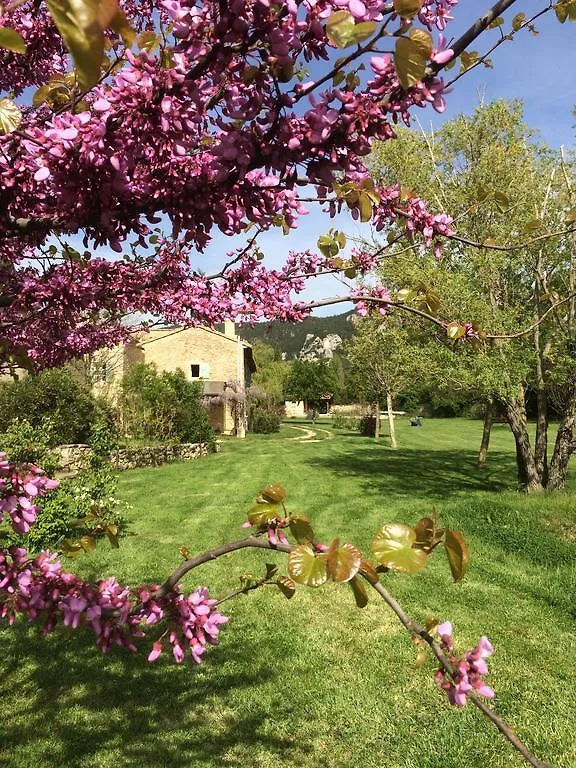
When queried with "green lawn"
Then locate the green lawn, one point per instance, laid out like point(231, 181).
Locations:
point(314, 681)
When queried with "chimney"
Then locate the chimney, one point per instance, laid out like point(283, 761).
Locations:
point(230, 329)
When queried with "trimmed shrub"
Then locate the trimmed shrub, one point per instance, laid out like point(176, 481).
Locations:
point(367, 426)
point(263, 421)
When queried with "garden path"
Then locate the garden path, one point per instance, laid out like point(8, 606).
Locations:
point(310, 435)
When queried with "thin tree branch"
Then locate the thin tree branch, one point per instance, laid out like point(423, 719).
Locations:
point(408, 623)
point(475, 31)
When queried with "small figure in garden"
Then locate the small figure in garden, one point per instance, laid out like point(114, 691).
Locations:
point(416, 422)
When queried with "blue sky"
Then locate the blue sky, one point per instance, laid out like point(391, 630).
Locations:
point(540, 70)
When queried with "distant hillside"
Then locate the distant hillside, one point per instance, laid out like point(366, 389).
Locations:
point(290, 337)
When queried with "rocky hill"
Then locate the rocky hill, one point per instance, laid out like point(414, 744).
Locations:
point(312, 339)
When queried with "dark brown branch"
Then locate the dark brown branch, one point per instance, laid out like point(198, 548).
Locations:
point(214, 554)
point(475, 31)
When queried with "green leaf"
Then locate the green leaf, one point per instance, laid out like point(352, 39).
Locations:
point(10, 116)
point(407, 8)
point(343, 561)
point(455, 330)
point(286, 586)
point(271, 570)
point(71, 548)
point(88, 543)
point(502, 202)
point(365, 207)
point(340, 29)
point(517, 21)
point(457, 552)
point(467, 59)
point(363, 31)
point(263, 514)
point(497, 22)
point(301, 529)
point(393, 547)
point(571, 217)
point(423, 40)
point(306, 567)
point(78, 22)
point(409, 61)
point(11, 40)
point(532, 226)
point(404, 294)
point(359, 592)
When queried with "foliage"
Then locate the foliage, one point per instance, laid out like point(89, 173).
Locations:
point(163, 406)
point(367, 425)
point(58, 395)
point(263, 420)
point(271, 371)
point(25, 444)
point(311, 381)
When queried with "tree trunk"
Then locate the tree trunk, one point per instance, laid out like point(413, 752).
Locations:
point(390, 406)
point(541, 443)
point(483, 452)
point(528, 478)
point(377, 422)
point(563, 449)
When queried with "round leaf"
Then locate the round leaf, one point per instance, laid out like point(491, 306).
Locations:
point(12, 40)
point(263, 514)
point(301, 529)
point(343, 561)
point(273, 493)
point(393, 547)
point(340, 28)
point(10, 116)
point(306, 567)
point(407, 8)
point(409, 61)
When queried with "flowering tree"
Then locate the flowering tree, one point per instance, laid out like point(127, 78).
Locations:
point(198, 117)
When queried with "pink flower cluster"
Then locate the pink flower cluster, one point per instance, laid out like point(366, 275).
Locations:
point(39, 589)
point(470, 670)
point(192, 621)
point(19, 490)
point(212, 133)
point(361, 297)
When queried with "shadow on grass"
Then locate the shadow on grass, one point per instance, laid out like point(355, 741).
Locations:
point(419, 472)
point(81, 708)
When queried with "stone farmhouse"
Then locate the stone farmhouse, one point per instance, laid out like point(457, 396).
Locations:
point(221, 360)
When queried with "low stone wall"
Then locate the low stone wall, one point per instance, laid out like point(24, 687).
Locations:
point(75, 458)
point(155, 455)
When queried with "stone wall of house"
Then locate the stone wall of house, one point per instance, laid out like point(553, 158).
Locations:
point(215, 352)
point(74, 458)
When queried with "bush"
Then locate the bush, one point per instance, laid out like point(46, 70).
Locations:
point(263, 421)
point(163, 406)
point(25, 444)
point(58, 395)
point(344, 421)
point(84, 506)
point(367, 426)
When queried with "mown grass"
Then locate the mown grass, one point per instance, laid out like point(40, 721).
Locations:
point(314, 681)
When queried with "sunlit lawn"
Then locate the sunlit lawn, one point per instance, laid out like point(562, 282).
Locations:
point(315, 681)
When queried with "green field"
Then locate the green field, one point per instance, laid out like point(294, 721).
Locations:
point(314, 681)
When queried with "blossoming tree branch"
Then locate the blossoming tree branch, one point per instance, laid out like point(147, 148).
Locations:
point(145, 128)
